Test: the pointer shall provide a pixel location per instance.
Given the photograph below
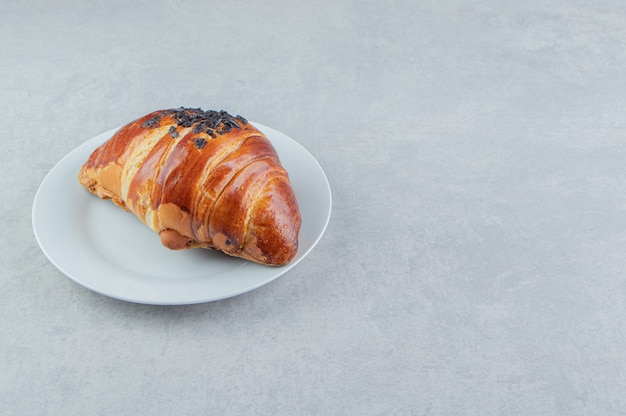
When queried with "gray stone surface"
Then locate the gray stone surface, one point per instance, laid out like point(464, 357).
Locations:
point(475, 260)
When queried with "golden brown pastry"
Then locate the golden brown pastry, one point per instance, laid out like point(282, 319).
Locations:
point(200, 179)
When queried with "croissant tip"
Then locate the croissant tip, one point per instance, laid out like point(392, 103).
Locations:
point(173, 240)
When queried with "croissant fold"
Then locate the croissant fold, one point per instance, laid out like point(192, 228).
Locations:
point(200, 179)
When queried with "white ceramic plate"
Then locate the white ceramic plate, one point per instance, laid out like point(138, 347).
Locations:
point(109, 251)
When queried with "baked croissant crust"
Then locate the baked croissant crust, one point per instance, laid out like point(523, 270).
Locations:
point(200, 179)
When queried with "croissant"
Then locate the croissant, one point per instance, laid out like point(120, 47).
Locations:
point(200, 179)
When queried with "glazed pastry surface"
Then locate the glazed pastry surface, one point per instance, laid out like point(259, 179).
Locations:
point(200, 179)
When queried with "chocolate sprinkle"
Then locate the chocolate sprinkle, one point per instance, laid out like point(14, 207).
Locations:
point(200, 142)
point(152, 122)
point(209, 120)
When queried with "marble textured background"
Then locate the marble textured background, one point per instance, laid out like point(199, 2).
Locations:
point(474, 263)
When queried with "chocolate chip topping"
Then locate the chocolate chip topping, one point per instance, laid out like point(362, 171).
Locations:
point(209, 121)
point(200, 142)
point(152, 122)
